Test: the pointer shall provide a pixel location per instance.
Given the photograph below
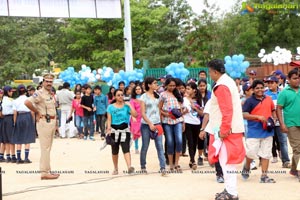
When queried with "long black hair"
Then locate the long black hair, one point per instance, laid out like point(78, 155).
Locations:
point(205, 98)
point(148, 81)
point(109, 94)
point(133, 92)
point(197, 95)
point(176, 93)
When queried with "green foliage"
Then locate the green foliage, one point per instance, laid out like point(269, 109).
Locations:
point(163, 31)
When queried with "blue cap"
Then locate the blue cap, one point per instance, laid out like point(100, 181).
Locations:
point(7, 88)
point(245, 79)
point(246, 86)
point(169, 76)
point(282, 76)
point(20, 87)
point(272, 79)
point(278, 72)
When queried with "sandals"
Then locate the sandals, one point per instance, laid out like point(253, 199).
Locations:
point(115, 172)
point(193, 166)
point(225, 196)
point(266, 179)
point(178, 169)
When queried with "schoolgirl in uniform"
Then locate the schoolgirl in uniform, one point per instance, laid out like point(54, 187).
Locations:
point(7, 124)
point(24, 131)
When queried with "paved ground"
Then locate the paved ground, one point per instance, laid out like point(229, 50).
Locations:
point(86, 175)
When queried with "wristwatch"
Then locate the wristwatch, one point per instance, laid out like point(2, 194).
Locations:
point(202, 129)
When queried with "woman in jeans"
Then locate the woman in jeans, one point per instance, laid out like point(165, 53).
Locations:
point(192, 120)
point(78, 113)
point(170, 100)
point(118, 114)
point(151, 117)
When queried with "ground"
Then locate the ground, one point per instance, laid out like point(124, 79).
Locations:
point(86, 175)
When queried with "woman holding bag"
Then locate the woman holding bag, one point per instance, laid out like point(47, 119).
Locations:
point(151, 127)
point(118, 114)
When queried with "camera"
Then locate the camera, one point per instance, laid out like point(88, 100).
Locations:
point(47, 118)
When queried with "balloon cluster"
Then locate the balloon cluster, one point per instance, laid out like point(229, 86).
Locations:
point(236, 65)
point(177, 70)
point(115, 78)
point(85, 75)
point(279, 56)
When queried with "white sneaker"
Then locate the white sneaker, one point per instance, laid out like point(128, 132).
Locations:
point(253, 165)
point(275, 160)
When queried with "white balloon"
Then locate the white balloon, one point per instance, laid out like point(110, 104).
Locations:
point(277, 48)
point(83, 66)
point(98, 76)
point(100, 71)
point(298, 48)
point(269, 59)
point(262, 51)
point(260, 55)
point(275, 63)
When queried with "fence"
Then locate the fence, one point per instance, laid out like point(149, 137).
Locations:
point(158, 72)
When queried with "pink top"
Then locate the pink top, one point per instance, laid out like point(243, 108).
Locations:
point(135, 125)
point(78, 109)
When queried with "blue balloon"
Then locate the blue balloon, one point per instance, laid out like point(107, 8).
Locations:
point(235, 58)
point(181, 65)
point(227, 58)
point(137, 62)
point(233, 74)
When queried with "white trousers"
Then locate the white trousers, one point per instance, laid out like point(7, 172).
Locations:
point(229, 172)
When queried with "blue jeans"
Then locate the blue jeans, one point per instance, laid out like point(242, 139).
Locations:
point(173, 137)
point(78, 121)
point(282, 137)
point(88, 122)
point(145, 130)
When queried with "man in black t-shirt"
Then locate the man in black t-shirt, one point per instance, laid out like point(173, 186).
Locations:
point(87, 103)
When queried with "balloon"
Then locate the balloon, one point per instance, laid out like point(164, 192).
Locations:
point(262, 51)
point(227, 58)
point(137, 62)
point(98, 76)
point(235, 58)
point(260, 55)
point(241, 57)
point(181, 65)
point(233, 74)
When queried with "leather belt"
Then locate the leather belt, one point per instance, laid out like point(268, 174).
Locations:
point(51, 117)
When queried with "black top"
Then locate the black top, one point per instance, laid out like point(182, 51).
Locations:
point(87, 101)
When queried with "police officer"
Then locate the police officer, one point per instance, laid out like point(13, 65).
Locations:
point(42, 103)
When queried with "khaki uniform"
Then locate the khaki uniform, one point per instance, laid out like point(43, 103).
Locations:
point(45, 104)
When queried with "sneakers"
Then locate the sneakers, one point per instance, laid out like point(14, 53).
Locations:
point(92, 138)
point(8, 159)
point(200, 161)
point(220, 179)
point(14, 160)
point(275, 160)
point(163, 172)
point(294, 173)
point(286, 164)
point(2, 160)
point(245, 173)
point(253, 165)
point(85, 137)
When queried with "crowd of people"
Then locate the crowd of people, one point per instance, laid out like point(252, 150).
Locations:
point(226, 123)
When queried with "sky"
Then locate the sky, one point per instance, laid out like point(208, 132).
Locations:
point(225, 5)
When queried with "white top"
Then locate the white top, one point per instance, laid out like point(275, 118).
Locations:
point(206, 111)
point(151, 109)
point(192, 116)
point(18, 104)
point(65, 97)
point(7, 105)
